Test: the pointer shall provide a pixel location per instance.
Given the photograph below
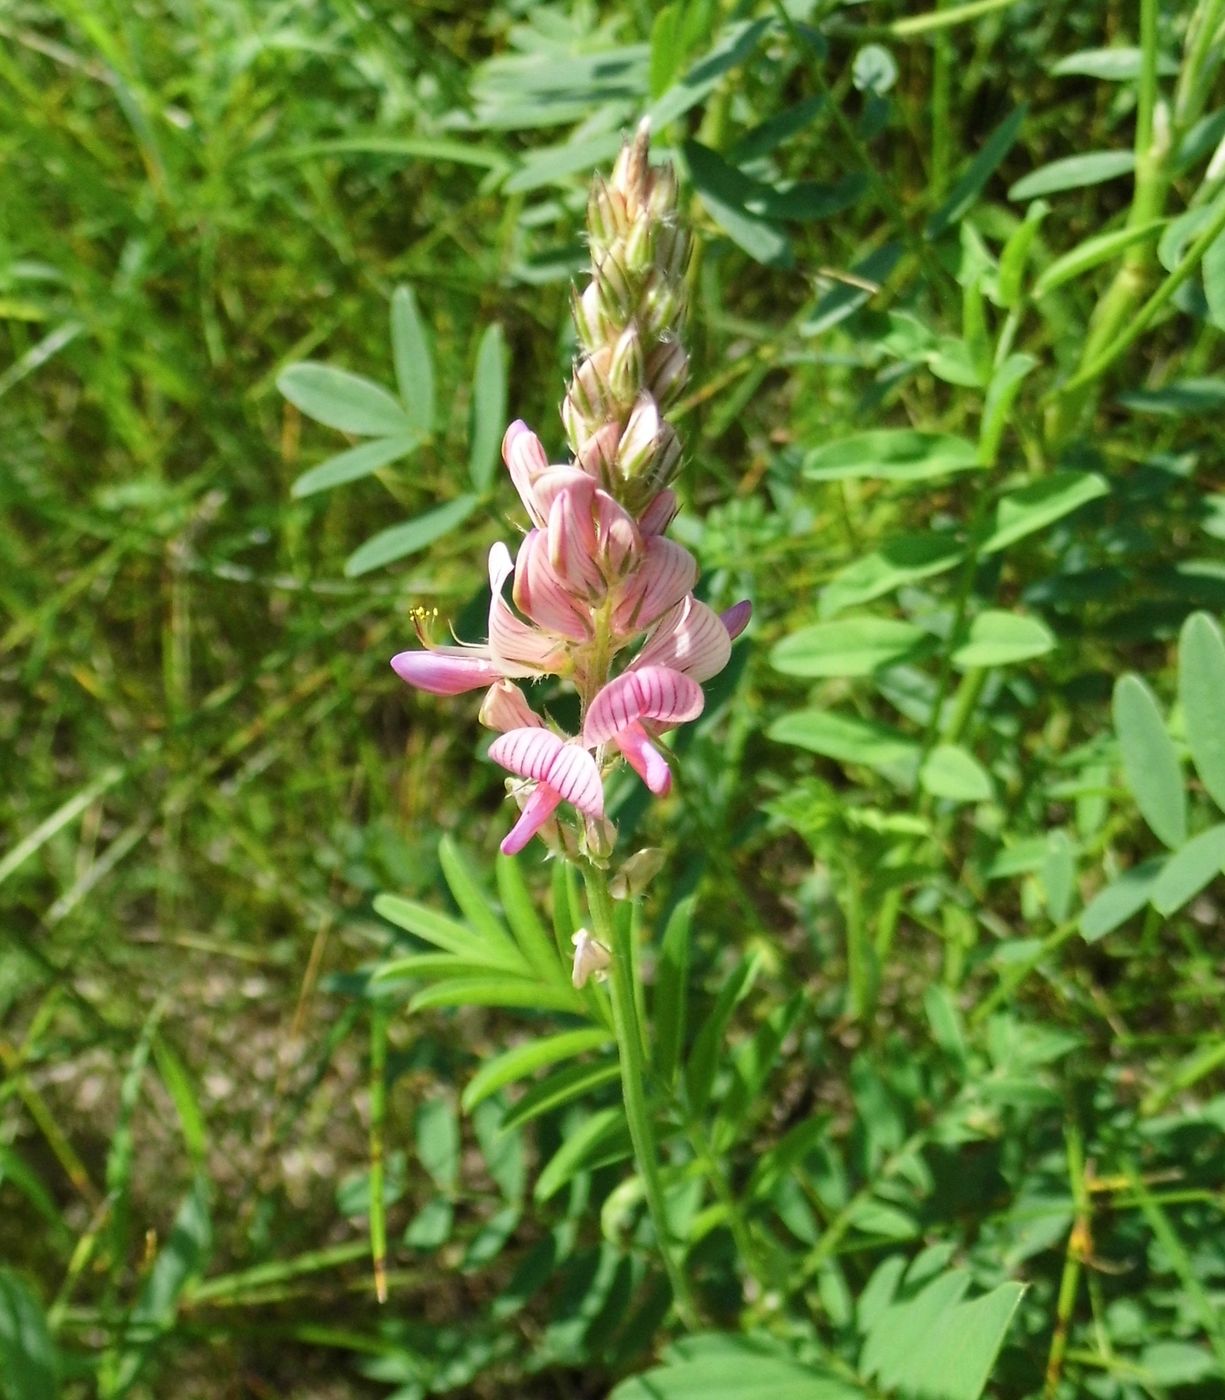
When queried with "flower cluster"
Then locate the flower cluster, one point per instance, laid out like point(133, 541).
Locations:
point(595, 574)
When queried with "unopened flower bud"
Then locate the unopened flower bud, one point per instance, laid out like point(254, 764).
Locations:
point(606, 216)
point(636, 873)
point(667, 372)
point(617, 294)
point(638, 442)
point(636, 254)
point(598, 457)
point(600, 838)
point(626, 367)
point(661, 202)
point(667, 461)
point(631, 172)
point(589, 321)
point(671, 251)
point(659, 514)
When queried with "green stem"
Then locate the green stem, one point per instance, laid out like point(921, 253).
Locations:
point(615, 934)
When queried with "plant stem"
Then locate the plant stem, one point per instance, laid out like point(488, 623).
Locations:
point(615, 934)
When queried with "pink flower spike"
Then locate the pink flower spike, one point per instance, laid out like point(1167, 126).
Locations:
point(537, 810)
point(446, 670)
point(690, 638)
point(648, 692)
point(736, 618)
point(567, 768)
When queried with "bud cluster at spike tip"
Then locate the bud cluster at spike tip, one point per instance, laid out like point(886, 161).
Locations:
point(601, 598)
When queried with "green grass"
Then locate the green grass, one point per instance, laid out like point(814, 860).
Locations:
point(210, 770)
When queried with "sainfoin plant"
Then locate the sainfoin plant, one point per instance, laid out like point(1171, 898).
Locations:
point(602, 599)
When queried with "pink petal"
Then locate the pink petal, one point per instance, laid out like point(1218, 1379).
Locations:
point(572, 540)
point(537, 810)
point(690, 638)
point(736, 618)
point(446, 670)
point(667, 573)
point(659, 514)
point(518, 650)
point(543, 596)
point(645, 759)
point(525, 459)
point(540, 754)
point(505, 707)
point(645, 692)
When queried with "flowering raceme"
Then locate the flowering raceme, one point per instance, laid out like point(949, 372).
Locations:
point(595, 575)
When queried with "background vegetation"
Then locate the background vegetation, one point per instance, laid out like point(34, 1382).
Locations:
point(945, 867)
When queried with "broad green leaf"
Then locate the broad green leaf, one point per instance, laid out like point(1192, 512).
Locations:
point(1015, 257)
point(737, 1378)
point(903, 559)
point(726, 192)
point(467, 891)
point(1102, 247)
point(431, 1227)
point(1115, 904)
point(945, 1020)
point(1005, 384)
point(535, 943)
point(574, 1081)
point(354, 463)
point(504, 1152)
point(1189, 869)
point(414, 360)
point(1201, 689)
point(669, 1003)
point(597, 1135)
point(703, 1059)
point(874, 69)
point(891, 454)
point(1059, 874)
point(810, 199)
point(414, 535)
point(445, 933)
point(851, 646)
point(847, 297)
point(846, 738)
point(978, 172)
point(951, 772)
point(487, 417)
point(338, 399)
point(1181, 232)
point(1034, 507)
point(512, 992)
point(521, 1060)
point(1074, 173)
point(1001, 638)
point(28, 1362)
point(436, 1134)
point(935, 1344)
point(1113, 65)
point(1212, 269)
point(1181, 398)
point(735, 45)
point(667, 52)
point(765, 138)
point(427, 967)
point(553, 165)
point(1150, 760)
point(1177, 1364)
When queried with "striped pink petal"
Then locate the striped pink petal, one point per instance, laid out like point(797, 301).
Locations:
point(645, 759)
point(659, 514)
point(536, 811)
point(690, 638)
point(543, 595)
point(567, 768)
point(647, 692)
point(446, 670)
point(736, 618)
point(665, 576)
point(573, 547)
